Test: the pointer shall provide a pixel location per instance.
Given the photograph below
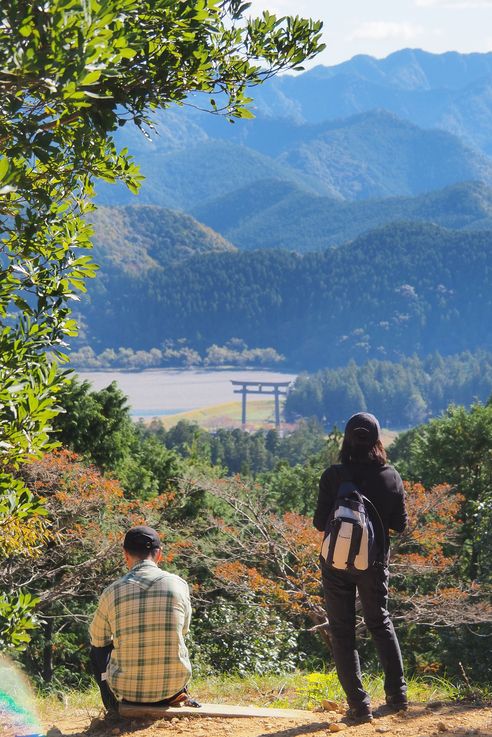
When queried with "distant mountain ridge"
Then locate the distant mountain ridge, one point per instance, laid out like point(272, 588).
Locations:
point(274, 214)
point(413, 69)
point(450, 91)
point(374, 154)
point(192, 174)
point(367, 128)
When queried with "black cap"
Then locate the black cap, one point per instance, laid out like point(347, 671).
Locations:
point(362, 429)
point(141, 538)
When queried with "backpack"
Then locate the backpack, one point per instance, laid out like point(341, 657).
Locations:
point(349, 543)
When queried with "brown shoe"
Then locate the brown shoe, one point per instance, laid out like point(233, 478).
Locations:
point(184, 699)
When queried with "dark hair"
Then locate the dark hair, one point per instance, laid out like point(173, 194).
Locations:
point(140, 554)
point(359, 453)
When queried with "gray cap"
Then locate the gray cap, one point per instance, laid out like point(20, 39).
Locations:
point(362, 429)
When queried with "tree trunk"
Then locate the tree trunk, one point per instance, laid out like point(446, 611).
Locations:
point(48, 651)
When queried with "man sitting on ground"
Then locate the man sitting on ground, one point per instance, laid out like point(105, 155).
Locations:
point(138, 652)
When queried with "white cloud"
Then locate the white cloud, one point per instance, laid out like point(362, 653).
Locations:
point(381, 30)
point(461, 4)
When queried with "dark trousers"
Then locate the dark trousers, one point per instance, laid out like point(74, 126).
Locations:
point(340, 592)
point(100, 657)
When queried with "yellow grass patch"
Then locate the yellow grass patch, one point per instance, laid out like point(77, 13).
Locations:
point(260, 414)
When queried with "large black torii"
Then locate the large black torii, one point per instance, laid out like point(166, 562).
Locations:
point(277, 388)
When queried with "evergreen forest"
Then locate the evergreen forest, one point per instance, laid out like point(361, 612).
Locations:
point(400, 290)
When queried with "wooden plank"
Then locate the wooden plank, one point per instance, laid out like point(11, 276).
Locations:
point(208, 710)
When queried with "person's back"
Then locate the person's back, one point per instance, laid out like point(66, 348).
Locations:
point(147, 613)
point(137, 634)
point(378, 481)
point(363, 461)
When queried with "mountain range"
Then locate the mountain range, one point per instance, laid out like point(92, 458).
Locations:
point(371, 155)
point(449, 91)
point(367, 128)
point(351, 219)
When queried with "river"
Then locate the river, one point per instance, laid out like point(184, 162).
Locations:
point(157, 392)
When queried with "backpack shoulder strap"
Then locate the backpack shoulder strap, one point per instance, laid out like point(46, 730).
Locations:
point(345, 482)
point(377, 517)
point(346, 474)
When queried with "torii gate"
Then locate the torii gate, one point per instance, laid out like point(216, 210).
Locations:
point(277, 388)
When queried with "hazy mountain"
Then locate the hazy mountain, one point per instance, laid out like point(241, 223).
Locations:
point(451, 91)
point(193, 174)
point(372, 155)
point(271, 214)
point(377, 154)
point(367, 128)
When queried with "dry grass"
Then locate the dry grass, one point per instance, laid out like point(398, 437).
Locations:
point(290, 690)
point(259, 414)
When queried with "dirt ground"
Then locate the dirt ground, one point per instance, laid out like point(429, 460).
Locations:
point(421, 720)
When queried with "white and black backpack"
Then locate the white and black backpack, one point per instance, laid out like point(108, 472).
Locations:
point(349, 542)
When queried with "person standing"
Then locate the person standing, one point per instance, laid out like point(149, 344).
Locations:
point(138, 652)
point(363, 461)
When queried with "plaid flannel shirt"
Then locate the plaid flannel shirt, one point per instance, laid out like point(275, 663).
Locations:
point(145, 614)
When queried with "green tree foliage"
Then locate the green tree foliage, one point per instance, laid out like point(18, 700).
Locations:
point(71, 73)
point(97, 425)
point(400, 393)
point(239, 636)
point(237, 451)
point(457, 449)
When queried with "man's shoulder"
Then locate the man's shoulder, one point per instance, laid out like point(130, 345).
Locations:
point(108, 592)
point(155, 578)
point(158, 577)
point(173, 580)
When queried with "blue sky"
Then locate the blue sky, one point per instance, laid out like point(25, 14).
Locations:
point(378, 27)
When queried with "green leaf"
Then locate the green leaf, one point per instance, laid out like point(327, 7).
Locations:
point(4, 167)
point(91, 78)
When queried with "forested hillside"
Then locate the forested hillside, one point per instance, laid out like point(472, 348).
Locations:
point(401, 394)
point(139, 238)
point(401, 290)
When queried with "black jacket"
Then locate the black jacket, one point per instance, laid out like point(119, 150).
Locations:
point(382, 485)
